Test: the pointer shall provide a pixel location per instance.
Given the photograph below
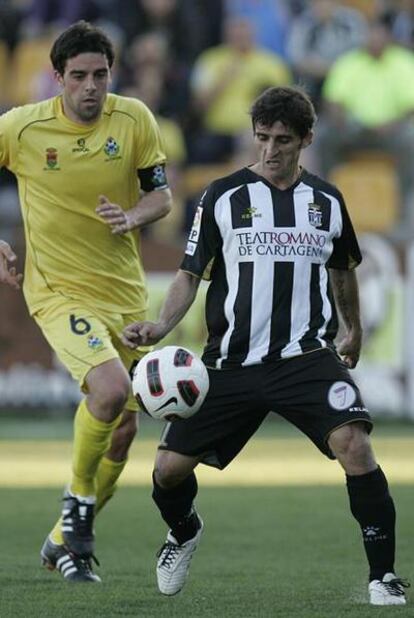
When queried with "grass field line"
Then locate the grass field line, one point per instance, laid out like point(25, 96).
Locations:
point(263, 462)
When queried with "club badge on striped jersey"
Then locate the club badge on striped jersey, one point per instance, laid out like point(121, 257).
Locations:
point(194, 232)
point(315, 215)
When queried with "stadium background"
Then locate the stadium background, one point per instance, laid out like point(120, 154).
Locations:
point(159, 44)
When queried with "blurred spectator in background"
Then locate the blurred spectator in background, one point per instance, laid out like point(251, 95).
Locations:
point(10, 18)
point(318, 37)
point(401, 17)
point(269, 18)
point(189, 26)
point(149, 61)
point(58, 13)
point(225, 81)
point(369, 95)
point(10, 220)
point(149, 55)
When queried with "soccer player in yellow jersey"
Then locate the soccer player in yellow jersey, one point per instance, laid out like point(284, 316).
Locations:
point(91, 171)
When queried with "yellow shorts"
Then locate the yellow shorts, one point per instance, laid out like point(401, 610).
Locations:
point(84, 338)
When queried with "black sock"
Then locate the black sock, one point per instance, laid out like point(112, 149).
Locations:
point(373, 508)
point(176, 507)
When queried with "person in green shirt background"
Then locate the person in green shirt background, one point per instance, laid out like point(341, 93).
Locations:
point(369, 105)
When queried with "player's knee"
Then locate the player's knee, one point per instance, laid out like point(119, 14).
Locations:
point(111, 397)
point(116, 396)
point(168, 472)
point(351, 443)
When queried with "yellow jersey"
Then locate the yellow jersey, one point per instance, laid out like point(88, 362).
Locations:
point(61, 168)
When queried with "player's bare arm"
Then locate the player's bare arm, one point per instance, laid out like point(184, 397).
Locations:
point(151, 207)
point(8, 274)
point(345, 288)
point(179, 299)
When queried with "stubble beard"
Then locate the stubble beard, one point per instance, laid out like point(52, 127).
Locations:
point(90, 115)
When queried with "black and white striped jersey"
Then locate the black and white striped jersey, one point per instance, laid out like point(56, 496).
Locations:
point(267, 252)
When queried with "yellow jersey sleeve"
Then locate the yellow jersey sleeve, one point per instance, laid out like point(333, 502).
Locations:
point(149, 144)
point(8, 139)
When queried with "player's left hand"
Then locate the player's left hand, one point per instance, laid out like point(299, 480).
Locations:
point(350, 348)
point(112, 214)
point(143, 333)
point(9, 274)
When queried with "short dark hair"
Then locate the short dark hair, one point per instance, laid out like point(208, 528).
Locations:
point(80, 38)
point(289, 105)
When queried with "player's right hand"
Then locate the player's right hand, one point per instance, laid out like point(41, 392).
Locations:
point(142, 333)
point(8, 274)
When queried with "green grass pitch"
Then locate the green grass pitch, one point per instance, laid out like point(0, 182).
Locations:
point(274, 545)
point(291, 552)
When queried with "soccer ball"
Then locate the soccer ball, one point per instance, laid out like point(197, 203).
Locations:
point(170, 383)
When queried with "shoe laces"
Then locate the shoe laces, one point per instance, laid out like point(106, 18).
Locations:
point(169, 552)
point(84, 564)
point(396, 586)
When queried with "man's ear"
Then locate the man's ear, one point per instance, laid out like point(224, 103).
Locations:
point(58, 77)
point(307, 140)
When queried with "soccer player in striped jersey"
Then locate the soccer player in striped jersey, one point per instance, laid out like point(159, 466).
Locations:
point(279, 249)
point(90, 171)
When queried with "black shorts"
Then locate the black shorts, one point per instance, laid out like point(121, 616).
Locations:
point(313, 391)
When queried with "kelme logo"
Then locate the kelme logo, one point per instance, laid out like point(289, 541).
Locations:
point(250, 213)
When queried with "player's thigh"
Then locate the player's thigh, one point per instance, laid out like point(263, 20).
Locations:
point(317, 394)
point(79, 337)
point(229, 416)
point(129, 358)
point(351, 446)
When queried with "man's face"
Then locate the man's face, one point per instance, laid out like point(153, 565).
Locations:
point(278, 149)
point(85, 85)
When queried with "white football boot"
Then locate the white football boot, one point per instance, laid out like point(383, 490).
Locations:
point(388, 591)
point(174, 562)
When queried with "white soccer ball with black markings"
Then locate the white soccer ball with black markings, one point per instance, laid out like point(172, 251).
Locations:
point(170, 383)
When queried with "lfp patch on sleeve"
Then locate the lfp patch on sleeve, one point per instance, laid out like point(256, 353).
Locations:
point(194, 232)
point(191, 248)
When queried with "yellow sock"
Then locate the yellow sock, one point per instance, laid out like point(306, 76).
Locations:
point(92, 438)
point(105, 481)
point(105, 486)
point(56, 534)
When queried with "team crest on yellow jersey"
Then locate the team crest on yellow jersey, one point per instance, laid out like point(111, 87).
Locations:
point(111, 148)
point(52, 162)
point(95, 343)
